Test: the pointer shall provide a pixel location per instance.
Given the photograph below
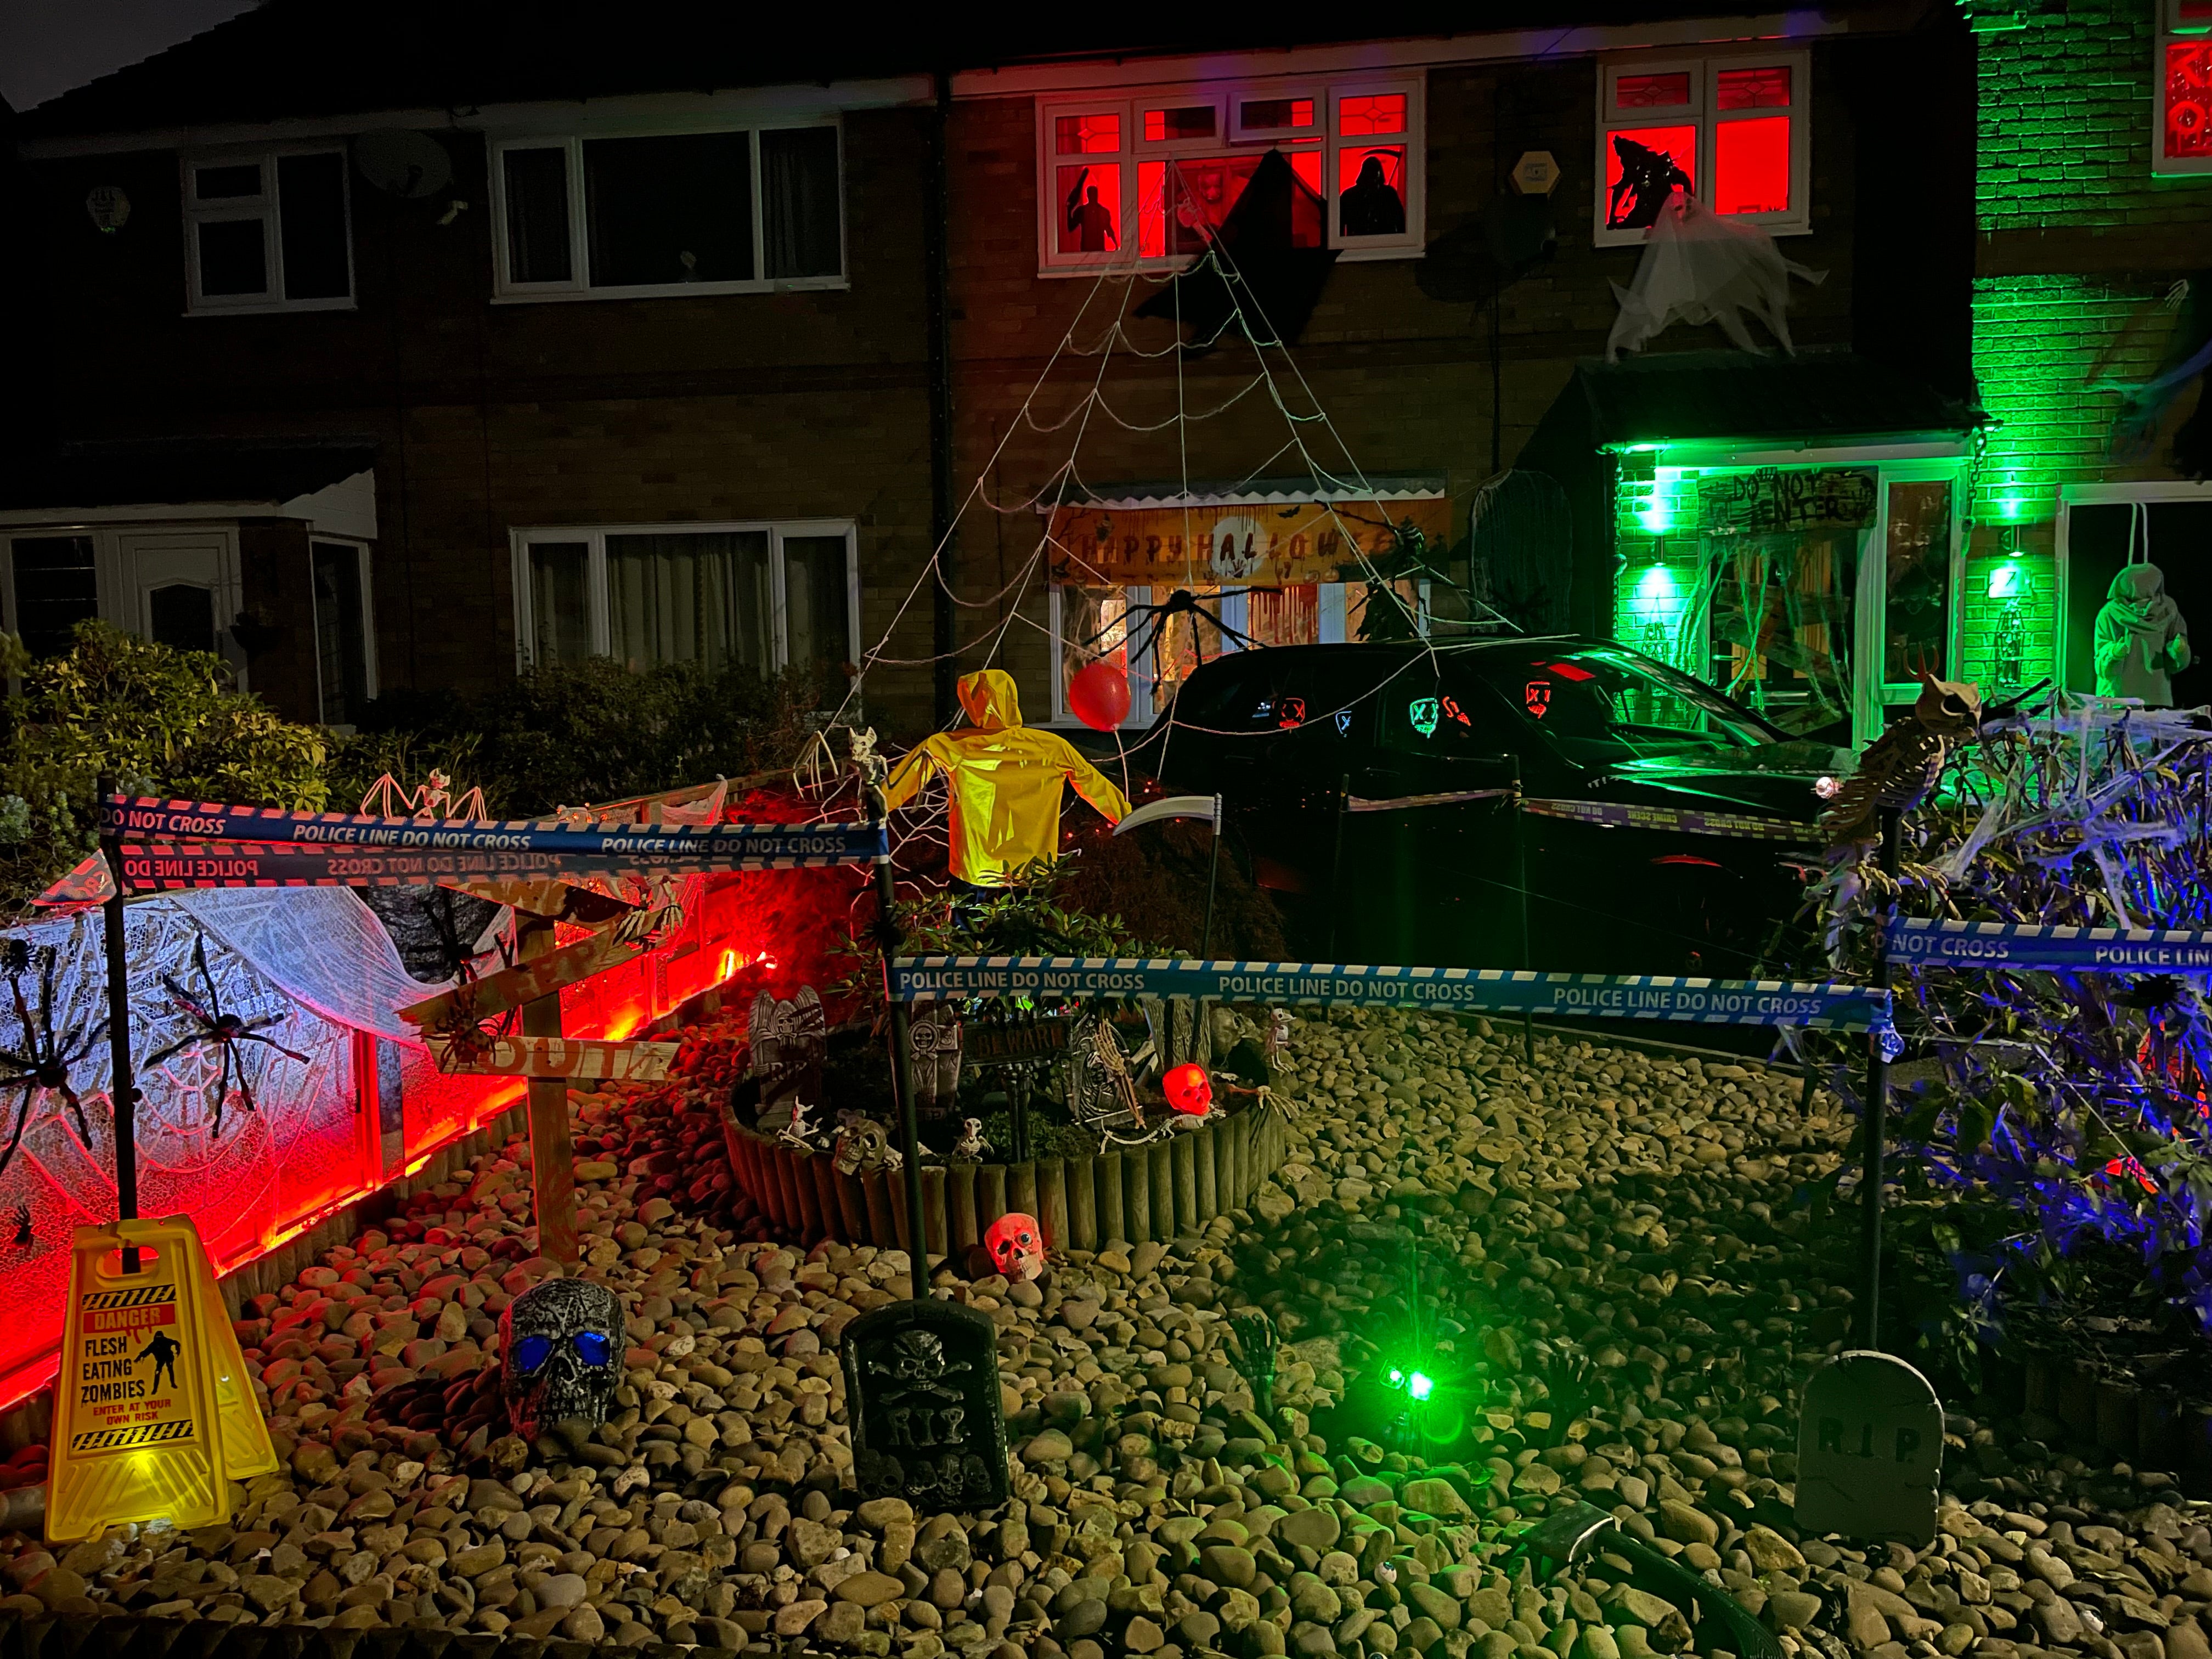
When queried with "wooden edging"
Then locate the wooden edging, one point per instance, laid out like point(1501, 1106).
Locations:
point(1165, 1191)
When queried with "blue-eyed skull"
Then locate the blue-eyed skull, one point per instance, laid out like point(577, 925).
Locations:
point(561, 1347)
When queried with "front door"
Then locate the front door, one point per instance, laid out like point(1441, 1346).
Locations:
point(180, 587)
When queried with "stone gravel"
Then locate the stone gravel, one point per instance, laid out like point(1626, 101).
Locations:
point(1619, 1287)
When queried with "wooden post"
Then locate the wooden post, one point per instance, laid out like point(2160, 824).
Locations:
point(1082, 1204)
point(552, 1146)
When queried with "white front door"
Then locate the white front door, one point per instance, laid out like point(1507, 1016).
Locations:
point(180, 587)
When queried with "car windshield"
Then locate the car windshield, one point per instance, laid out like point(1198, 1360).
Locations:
point(1603, 704)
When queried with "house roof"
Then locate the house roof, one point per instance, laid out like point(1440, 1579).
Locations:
point(164, 473)
point(1682, 396)
point(289, 59)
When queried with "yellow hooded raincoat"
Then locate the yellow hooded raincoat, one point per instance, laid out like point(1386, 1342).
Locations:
point(1005, 780)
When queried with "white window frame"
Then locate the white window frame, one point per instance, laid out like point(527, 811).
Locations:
point(1703, 112)
point(361, 550)
point(114, 574)
point(1229, 139)
point(265, 208)
point(506, 290)
point(2169, 33)
point(594, 536)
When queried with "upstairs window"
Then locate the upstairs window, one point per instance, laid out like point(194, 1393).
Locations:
point(669, 213)
point(267, 231)
point(2181, 139)
point(1150, 177)
point(1730, 132)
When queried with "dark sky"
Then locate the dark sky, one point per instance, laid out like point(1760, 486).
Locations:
point(47, 47)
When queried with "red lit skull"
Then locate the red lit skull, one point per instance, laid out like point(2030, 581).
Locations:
point(1016, 1246)
point(1188, 1090)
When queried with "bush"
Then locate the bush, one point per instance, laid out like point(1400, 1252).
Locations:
point(158, 720)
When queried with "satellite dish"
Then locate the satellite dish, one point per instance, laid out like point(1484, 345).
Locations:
point(402, 163)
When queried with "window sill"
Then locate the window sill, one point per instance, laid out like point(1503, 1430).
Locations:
point(676, 291)
point(271, 308)
point(1167, 267)
point(1635, 239)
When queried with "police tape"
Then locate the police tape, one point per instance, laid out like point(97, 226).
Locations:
point(738, 846)
point(1922, 942)
point(1402, 803)
point(1451, 990)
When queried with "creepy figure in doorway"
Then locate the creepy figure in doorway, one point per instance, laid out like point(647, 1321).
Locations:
point(1648, 178)
point(1091, 220)
point(1372, 207)
point(2143, 638)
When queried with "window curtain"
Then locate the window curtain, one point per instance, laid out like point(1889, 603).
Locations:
point(800, 209)
point(689, 597)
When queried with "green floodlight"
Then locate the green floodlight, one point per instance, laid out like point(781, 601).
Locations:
point(1419, 1387)
point(1397, 1377)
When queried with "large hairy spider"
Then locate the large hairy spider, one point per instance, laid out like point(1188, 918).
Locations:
point(42, 1060)
point(225, 1031)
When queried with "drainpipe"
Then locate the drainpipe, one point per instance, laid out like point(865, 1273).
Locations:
point(937, 243)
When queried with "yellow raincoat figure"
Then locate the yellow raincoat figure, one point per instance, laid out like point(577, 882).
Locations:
point(1005, 780)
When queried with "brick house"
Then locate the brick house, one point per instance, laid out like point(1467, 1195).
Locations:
point(407, 374)
point(2091, 204)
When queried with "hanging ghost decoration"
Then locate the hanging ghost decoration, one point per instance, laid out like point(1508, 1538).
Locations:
point(2141, 640)
point(1016, 1243)
point(1698, 267)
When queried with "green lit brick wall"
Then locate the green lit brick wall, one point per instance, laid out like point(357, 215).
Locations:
point(1655, 531)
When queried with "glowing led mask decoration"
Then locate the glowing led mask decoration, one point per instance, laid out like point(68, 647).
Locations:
point(1016, 1243)
point(1292, 713)
point(1189, 1090)
point(1422, 713)
point(1343, 721)
point(1536, 697)
point(561, 1347)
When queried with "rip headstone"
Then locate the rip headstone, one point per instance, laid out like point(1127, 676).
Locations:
point(1869, 1450)
point(922, 1390)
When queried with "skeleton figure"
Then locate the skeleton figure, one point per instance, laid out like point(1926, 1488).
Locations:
point(1901, 766)
point(1278, 1043)
point(971, 1147)
point(798, 1133)
point(863, 1146)
point(561, 1350)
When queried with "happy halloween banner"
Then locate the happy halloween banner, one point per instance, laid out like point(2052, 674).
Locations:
point(1258, 544)
point(1454, 990)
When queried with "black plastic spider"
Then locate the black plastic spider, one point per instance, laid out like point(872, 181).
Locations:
point(42, 1061)
point(225, 1031)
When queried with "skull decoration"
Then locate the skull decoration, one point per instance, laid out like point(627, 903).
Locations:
point(561, 1347)
point(1189, 1090)
point(1016, 1243)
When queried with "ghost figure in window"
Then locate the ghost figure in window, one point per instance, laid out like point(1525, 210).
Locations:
point(560, 1348)
point(1016, 1243)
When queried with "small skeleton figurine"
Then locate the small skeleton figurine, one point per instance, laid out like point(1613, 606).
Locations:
point(971, 1147)
point(1901, 766)
point(861, 751)
point(1277, 1041)
point(799, 1132)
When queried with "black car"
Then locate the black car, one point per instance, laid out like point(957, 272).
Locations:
point(1366, 789)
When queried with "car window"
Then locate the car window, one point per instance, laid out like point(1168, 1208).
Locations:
point(1603, 704)
point(1422, 714)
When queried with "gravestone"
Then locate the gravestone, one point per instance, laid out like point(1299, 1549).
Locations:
point(922, 1392)
point(1869, 1449)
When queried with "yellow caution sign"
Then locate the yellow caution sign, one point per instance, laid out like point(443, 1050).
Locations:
point(153, 1410)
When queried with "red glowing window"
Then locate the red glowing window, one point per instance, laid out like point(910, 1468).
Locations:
point(1643, 165)
point(1181, 203)
point(1753, 88)
point(1086, 135)
point(1089, 205)
point(1669, 91)
point(1166, 125)
point(2188, 99)
point(1370, 182)
point(1751, 166)
point(1276, 114)
point(1371, 116)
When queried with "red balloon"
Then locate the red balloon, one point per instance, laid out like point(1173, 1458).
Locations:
point(1098, 696)
point(1188, 1089)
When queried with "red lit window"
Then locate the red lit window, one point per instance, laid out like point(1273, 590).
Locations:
point(1181, 203)
point(1163, 126)
point(1087, 135)
point(1643, 165)
point(2188, 99)
point(1752, 89)
point(1369, 116)
point(1370, 182)
point(1652, 91)
point(1276, 114)
point(1089, 204)
point(1751, 166)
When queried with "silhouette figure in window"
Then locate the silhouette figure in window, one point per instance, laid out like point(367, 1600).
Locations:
point(1372, 207)
point(1091, 220)
point(1648, 178)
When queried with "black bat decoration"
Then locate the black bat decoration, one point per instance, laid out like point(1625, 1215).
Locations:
point(42, 1060)
point(225, 1031)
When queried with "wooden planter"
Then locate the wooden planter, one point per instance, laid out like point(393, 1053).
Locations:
point(1165, 1191)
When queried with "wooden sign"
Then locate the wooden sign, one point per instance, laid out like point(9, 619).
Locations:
point(1016, 1043)
point(922, 1392)
point(581, 1060)
point(1869, 1450)
point(1772, 501)
point(526, 982)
